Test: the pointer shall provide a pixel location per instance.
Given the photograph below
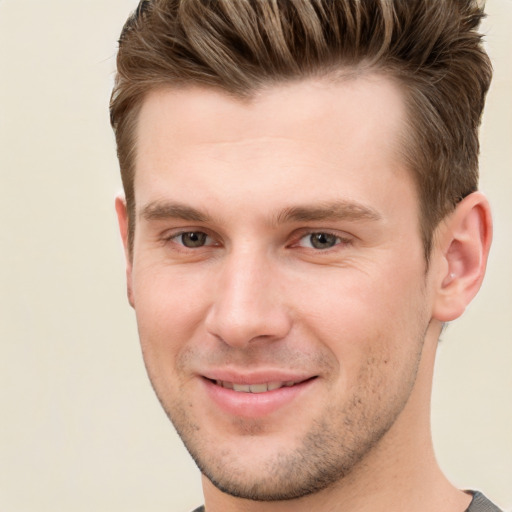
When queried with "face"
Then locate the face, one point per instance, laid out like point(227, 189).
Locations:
point(278, 278)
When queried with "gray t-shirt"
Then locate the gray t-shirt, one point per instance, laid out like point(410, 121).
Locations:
point(479, 503)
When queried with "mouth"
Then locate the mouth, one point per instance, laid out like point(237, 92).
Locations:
point(257, 388)
point(251, 396)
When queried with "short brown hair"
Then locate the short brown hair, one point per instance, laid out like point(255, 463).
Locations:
point(430, 47)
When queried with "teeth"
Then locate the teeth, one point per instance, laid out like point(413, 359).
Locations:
point(258, 388)
point(254, 388)
point(242, 387)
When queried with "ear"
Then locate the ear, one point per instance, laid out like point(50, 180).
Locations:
point(122, 219)
point(463, 242)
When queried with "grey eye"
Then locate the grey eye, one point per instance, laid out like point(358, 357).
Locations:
point(193, 239)
point(323, 240)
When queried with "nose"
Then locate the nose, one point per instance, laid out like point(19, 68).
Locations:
point(249, 302)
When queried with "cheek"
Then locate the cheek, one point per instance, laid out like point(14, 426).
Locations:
point(170, 307)
point(365, 318)
point(351, 300)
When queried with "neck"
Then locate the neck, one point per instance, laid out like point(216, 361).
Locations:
point(400, 473)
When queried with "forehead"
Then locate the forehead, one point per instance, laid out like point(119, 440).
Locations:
point(309, 109)
point(299, 138)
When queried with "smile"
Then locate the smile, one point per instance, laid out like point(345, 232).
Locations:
point(255, 396)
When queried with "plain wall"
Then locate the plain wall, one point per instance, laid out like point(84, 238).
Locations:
point(80, 429)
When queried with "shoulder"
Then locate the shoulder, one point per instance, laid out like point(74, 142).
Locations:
point(479, 503)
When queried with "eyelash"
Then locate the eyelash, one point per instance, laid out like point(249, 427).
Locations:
point(173, 238)
point(340, 240)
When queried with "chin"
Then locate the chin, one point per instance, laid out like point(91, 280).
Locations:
point(263, 467)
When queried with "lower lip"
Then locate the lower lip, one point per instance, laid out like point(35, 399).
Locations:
point(254, 405)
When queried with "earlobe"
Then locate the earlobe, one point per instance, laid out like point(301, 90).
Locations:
point(122, 219)
point(464, 240)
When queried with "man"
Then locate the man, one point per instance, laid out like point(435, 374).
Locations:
point(301, 217)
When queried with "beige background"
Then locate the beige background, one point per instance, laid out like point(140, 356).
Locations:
point(80, 429)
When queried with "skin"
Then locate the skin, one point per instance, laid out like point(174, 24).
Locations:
point(249, 295)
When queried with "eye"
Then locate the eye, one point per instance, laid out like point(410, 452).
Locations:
point(320, 240)
point(192, 239)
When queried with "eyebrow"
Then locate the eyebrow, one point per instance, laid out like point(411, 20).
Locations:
point(159, 210)
point(337, 210)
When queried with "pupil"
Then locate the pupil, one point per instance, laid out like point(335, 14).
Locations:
point(322, 240)
point(193, 239)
